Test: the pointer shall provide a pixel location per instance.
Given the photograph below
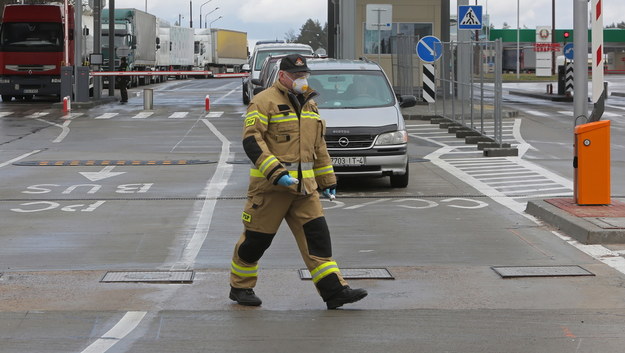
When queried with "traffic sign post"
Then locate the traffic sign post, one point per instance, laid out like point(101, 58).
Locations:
point(469, 17)
point(568, 51)
point(429, 49)
point(380, 17)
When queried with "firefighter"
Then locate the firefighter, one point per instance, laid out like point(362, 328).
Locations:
point(123, 81)
point(283, 137)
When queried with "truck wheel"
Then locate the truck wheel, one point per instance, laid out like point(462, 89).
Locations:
point(400, 181)
point(6, 98)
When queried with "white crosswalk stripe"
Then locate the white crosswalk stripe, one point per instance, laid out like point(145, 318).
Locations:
point(214, 114)
point(143, 115)
point(106, 116)
point(38, 115)
point(3, 114)
point(178, 115)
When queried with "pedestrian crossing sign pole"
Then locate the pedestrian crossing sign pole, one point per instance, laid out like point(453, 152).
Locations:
point(469, 17)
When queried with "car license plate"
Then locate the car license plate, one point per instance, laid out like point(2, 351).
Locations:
point(348, 161)
point(31, 91)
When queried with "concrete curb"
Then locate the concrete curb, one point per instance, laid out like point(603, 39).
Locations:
point(580, 229)
point(551, 97)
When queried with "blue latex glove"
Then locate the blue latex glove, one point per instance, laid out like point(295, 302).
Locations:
point(329, 192)
point(287, 180)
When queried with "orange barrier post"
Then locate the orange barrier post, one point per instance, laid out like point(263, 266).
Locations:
point(67, 104)
point(592, 163)
point(207, 103)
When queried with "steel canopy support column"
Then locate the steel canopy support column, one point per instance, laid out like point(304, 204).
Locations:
point(580, 68)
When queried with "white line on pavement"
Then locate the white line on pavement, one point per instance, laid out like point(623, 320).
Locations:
point(126, 325)
point(178, 115)
point(106, 115)
point(18, 158)
point(142, 115)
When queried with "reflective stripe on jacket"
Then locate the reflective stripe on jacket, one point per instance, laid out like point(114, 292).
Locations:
point(281, 136)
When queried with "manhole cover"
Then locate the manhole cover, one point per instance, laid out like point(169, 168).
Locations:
point(355, 273)
point(149, 276)
point(541, 271)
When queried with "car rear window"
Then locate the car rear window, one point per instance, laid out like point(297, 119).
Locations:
point(262, 55)
point(351, 89)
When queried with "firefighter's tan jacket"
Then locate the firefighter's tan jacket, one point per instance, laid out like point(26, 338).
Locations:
point(282, 136)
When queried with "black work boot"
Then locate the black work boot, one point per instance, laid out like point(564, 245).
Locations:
point(245, 296)
point(346, 296)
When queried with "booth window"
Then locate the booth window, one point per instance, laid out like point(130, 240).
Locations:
point(371, 36)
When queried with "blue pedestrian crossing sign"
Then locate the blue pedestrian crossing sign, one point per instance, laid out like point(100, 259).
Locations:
point(568, 51)
point(469, 17)
point(429, 49)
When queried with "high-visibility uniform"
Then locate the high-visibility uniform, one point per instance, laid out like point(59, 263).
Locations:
point(284, 135)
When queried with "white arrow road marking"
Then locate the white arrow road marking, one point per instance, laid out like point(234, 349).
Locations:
point(103, 174)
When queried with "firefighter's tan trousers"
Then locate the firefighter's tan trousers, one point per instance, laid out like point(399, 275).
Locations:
point(262, 216)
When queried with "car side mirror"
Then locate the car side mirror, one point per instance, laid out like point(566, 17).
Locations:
point(407, 101)
point(245, 68)
point(257, 90)
point(256, 82)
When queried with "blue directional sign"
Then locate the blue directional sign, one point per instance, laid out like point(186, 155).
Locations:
point(470, 17)
point(429, 49)
point(568, 51)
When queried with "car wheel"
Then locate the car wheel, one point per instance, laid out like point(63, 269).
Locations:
point(400, 181)
point(246, 99)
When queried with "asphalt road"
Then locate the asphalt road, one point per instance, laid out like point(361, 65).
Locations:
point(115, 188)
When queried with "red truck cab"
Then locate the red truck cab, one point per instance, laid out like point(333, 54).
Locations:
point(32, 50)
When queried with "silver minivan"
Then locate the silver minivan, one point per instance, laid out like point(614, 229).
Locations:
point(260, 53)
point(366, 133)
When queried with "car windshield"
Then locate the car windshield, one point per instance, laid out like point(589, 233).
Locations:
point(262, 55)
point(351, 89)
point(32, 36)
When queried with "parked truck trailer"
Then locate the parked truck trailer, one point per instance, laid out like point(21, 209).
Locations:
point(174, 49)
point(135, 38)
point(220, 50)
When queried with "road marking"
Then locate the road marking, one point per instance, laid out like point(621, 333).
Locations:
point(534, 112)
point(71, 116)
point(64, 129)
point(178, 115)
point(18, 158)
point(365, 204)
point(3, 114)
point(211, 192)
point(142, 115)
point(37, 115)
point(214, 114)
point(106, 116)
point(126, 325)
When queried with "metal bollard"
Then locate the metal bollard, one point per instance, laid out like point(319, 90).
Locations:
point(148, 99)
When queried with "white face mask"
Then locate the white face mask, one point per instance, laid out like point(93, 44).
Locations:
point(300, 85)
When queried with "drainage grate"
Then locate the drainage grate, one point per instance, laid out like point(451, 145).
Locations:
point(541, 271)
point(355, 273)
point(149, 276)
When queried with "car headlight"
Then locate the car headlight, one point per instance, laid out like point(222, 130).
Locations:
point(392, 138)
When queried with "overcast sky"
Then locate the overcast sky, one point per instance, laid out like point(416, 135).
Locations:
point(271, 19)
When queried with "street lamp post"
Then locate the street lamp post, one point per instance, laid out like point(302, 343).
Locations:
point(210, 24)
point(205, 16)
point(518, 39)
point(201, 12)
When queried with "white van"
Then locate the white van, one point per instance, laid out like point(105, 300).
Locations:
point(261, 52)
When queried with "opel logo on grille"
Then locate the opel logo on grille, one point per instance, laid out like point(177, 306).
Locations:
point(343, 141)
